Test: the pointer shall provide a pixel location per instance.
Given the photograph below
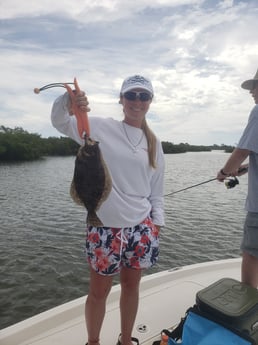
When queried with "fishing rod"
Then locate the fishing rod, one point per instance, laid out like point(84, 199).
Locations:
point(195, 185)
point(49, 86)
point(230, 182)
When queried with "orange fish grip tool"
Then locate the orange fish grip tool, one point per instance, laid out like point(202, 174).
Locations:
point(80, 114)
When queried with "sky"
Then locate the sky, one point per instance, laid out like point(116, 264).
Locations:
point(196, 53)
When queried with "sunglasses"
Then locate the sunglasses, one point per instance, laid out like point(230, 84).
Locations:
point(133, 96)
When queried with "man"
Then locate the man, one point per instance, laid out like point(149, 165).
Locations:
point(248, 147)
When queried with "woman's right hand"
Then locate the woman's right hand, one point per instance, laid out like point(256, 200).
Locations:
point(78, 102)
point(79, 107)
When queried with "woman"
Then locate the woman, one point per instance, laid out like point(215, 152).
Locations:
point(133, 213)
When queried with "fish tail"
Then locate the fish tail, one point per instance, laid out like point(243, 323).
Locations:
point(93, 219)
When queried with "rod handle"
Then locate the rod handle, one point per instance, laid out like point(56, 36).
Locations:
point(242, 170)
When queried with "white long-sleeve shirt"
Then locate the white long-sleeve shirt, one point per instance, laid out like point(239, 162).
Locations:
point(137, 188)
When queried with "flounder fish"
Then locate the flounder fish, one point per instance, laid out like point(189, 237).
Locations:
point(91, 182)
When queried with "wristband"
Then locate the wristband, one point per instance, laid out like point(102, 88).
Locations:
point(223, 173)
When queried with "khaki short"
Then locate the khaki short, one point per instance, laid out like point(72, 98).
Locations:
point(250, 237)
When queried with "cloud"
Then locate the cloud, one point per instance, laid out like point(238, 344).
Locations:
point(196, 53)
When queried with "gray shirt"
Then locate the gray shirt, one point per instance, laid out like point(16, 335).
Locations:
point(249, 141)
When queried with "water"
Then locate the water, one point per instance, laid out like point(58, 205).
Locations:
point(42, 260)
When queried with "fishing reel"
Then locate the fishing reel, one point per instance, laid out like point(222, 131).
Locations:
point(231, 182)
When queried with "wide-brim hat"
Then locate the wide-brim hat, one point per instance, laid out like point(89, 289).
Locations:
point(250, 83)
point(136, 81)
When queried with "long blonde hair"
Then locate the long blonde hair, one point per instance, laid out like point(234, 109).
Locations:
point(151, 140)
point(152, 143)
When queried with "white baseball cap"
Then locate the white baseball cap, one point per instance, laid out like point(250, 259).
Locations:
point(136, 81)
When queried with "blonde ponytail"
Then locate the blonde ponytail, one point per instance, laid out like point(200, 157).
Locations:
point(152, 143)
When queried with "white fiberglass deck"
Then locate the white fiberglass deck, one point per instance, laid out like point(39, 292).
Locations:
point(164, 298)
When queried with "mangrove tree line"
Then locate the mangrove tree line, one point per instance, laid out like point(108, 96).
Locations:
point(19, 145)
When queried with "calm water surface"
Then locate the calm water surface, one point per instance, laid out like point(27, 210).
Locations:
point(42, 260)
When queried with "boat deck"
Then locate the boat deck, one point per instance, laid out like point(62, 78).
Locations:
point(164, 298)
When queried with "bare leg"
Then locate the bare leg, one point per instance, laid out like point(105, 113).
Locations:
point(95, 305)
point(130, 280)
point(250, 269)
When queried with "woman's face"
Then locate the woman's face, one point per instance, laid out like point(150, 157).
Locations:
point(135, 103)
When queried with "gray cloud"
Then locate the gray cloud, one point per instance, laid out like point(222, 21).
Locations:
point(196, 53)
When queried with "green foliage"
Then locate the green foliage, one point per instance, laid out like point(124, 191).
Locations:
point(60, 146)
point(184, 147)
point(19, 145)
point(171, 148)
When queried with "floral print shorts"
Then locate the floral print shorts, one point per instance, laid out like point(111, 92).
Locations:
point(110, 249)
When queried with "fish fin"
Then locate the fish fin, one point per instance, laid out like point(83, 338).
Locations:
point(74, 194)
point(108, 181)
point(93, 220)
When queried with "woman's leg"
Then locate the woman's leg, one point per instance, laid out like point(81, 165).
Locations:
point(130, 280)
point(95, 305)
